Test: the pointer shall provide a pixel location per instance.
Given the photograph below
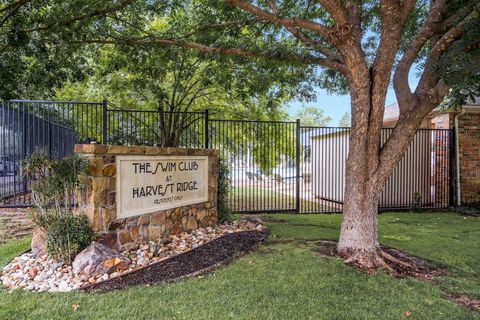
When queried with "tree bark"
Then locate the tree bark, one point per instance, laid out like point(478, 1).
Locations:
point(368, 169)
point(358, 243)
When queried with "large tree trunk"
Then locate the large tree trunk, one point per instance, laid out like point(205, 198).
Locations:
point(358, 242)
point(367, 171)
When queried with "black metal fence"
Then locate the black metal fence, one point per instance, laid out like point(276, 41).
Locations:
point(262, 160)
point(421, 179)
point(154, 128)
point(24, 129)
point(274, 166)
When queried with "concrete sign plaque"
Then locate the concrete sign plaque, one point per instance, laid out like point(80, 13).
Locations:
point(147, 184)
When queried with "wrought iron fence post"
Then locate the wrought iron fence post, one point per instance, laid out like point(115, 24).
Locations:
point(207, 142)
point(297, 164)
point(104, 122)
point(24, 147)
point(50, 140)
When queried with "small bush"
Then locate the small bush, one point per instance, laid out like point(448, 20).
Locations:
point(223, 210)
point(417, 202)
point(66, 235)
point(54, 183)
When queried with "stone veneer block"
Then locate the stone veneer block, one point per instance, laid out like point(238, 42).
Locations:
point(97, 200)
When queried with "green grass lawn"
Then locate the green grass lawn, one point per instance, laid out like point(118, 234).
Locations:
point(253, 198)
point(286, 279)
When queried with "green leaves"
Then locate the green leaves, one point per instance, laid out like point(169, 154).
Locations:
point(311, 116)
point(53, 182)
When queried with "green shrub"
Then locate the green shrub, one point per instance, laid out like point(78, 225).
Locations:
point(54, 183)
point(223, 210)
point(65, 235)
point(416, 205)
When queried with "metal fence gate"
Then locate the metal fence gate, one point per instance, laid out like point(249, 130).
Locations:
point(262, 160)
point(275, 166)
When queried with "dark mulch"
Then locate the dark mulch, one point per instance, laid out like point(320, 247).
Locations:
point(411, 266)
point(198, 260)
point(469, 210)
point(465, 301)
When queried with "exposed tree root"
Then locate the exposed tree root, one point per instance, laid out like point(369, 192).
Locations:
point(389, 259)
point(396, 262)
point(366, 260)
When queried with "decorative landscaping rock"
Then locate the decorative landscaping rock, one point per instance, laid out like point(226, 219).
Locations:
point(41, 273)
point(38, 245)
point(98, 259)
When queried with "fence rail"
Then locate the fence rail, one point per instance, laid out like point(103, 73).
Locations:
point(275, 166)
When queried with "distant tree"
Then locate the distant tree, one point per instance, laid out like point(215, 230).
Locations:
point(177, 80)
point(311, 116)
point(345, 120)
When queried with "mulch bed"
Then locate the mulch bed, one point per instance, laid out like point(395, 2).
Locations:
point(465, 301)
point(418, 268)
point(188, 264)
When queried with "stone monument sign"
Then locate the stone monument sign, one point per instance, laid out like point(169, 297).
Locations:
point(141, 193)
point(150, 183)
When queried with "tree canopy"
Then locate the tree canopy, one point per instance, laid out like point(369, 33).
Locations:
point(184, 80)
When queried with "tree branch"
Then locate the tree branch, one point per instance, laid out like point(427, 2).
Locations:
point(221, 25)
point(285, 22)
point(429, 80)
point(15, 7)
point(400, 79)
point(305, 59)
point(297, 33)
point(450, 36)
point(336, 9)
point(393, 17)
point(430, 91)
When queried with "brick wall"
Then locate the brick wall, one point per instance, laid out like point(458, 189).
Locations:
point(469, 154)
point(440, 174)
point(98, 198)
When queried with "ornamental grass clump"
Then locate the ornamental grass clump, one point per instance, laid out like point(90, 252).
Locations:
point(54, 184)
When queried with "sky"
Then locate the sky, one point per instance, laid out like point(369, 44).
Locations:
point(335, 106)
